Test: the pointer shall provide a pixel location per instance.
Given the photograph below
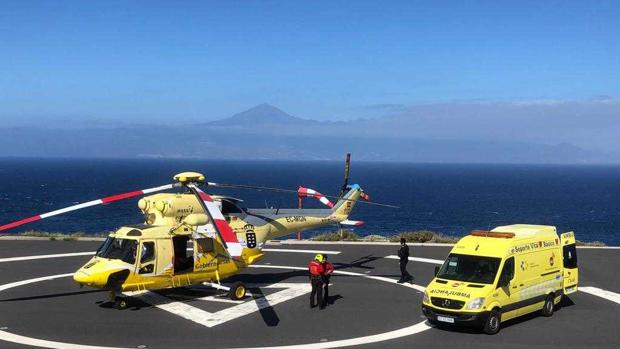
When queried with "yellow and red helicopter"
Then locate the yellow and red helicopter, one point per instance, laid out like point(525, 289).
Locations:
point(191, 237)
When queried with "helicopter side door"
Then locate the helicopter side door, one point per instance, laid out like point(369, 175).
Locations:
point(164, 256)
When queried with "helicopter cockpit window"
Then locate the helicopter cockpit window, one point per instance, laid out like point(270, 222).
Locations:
point(229, 207)
point(148, 252)
point(123, 249)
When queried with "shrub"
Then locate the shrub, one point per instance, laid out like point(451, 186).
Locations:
point(590, 243)
point(414, 236)
point(422, 236)
point(345, 235)
point(374, 238)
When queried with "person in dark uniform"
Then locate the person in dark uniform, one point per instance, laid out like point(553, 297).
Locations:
point(328, 269)
point(316, 273)
point(403, 255)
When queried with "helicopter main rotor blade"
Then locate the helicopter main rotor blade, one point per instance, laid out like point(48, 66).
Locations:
point(217, 220)
point(280, 190)
point(102, 201)
point(307, 192)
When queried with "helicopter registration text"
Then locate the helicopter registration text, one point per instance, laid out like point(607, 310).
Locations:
point(293, 219)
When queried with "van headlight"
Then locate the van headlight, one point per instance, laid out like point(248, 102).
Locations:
point(476, 303)
point(426, 298)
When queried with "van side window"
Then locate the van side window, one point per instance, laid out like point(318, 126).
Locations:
point(570, 256)
point(508, 272)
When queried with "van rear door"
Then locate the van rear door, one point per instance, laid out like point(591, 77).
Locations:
point(570, 273)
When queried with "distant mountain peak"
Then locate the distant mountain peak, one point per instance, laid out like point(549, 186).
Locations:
point(264, 113)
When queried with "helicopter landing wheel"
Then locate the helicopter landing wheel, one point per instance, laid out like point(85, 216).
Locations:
point(237, 291)
point(121, 303)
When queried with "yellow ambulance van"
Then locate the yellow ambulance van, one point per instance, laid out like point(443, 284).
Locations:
point(493, 276)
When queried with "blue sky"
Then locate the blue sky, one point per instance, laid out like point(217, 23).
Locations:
point(166, 61)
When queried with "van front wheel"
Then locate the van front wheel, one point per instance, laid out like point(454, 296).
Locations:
point(547, 309)
point(493, 323)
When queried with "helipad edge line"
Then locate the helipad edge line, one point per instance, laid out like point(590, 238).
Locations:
point(75, 254)
point(418, 259)
point(299, 251)
point(599, 292)
point(45, 256)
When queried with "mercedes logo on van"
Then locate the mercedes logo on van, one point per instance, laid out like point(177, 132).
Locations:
point(445, 303)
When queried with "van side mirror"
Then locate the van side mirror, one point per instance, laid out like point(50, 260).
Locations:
point(196, 219)
point(436, 270)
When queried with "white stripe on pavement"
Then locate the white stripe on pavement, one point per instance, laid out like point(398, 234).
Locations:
point(75, 254)
point(611, 296)
point(45, 256)
point(418, 259)
point(299, 251)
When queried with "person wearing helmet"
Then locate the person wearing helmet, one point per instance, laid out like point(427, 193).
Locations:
point(328, 270)
point(316, 271)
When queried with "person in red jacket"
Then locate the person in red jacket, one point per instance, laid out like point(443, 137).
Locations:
point(316, 272)
point(329, 269)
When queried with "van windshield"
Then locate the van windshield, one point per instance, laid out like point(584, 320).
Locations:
point(476, 269)
point(123, 249)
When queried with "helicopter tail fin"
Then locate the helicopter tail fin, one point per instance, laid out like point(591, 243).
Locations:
point(345, 204)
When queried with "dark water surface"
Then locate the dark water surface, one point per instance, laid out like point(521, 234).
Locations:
point(452, 199)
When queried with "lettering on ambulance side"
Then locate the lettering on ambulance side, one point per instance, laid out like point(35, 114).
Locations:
point(533, 246)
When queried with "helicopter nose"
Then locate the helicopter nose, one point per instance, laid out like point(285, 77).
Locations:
point(83, 278)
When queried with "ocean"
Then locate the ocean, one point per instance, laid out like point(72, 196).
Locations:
point(452, 199)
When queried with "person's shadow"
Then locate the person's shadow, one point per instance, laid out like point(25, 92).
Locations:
point(333, 299)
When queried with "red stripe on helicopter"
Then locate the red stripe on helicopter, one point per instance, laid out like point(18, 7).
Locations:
point(19, 222)
point(222, 226)
point(112, 198)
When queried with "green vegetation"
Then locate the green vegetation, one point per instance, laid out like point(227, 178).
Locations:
point(420, 236)
point(375, 238)
point(344, 235)
point(590, 243)
point(423, 236)
point(60, 236)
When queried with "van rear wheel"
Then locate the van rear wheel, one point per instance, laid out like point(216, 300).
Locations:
point(547, 309)
point(493, 323)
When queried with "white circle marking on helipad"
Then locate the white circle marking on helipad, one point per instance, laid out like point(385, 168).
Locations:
point(402, 332)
